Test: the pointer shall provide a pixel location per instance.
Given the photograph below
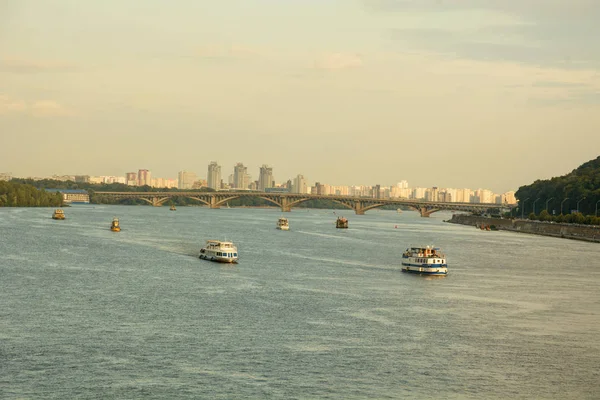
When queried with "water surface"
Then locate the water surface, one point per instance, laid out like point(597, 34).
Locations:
point(315, 312)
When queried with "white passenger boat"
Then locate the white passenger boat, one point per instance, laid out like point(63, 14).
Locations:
point(283, 224)
point(424, 260)
point(218, 251)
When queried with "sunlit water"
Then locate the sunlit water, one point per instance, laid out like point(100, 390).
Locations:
point(315, 312)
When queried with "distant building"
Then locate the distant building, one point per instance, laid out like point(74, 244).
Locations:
point(299, 185)
point(200, 183)
point(5, 176)
point(463, 195)
point(74, 196)
point(241, 179)
point(432, 194)
point(377, 191)
point(277, 190)
point(419, 193)
point(509, 198)
point(214, 175)
point(144, 177)
point(484, 196)
point(63, 178)
point(130, 179)
point(112, 179)
point(82, 178)
point(265, 178)
point(444, 196)
point(186, 179)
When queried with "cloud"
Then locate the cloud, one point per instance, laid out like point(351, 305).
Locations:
point(558, 9)
point(48, 108)
point(38, 109)
point(20, 65)
point(229, 52)
point(337, 61)
point(538, 32)
point(10, 106)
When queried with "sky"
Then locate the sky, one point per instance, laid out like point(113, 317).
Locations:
point(450, 93)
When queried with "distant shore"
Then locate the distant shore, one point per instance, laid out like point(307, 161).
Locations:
point(588, 233)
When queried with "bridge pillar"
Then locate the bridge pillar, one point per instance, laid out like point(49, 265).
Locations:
point(426, 212)
point(285, 204)
point(358, 208)
point(156, 202)
point(213, 202)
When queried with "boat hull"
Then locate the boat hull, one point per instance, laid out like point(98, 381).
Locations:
point(224, 260)
point(283, 228)
point(425, 270)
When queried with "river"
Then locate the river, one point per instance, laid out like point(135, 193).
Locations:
point(315, 312)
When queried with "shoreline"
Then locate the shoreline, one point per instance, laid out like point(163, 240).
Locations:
point(587, 233)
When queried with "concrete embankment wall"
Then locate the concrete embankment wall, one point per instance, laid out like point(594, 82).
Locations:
point(568, 231)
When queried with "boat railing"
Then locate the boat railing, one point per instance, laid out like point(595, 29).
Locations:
point(419, 255)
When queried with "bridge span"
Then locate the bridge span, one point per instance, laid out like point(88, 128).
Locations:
point(288, 200)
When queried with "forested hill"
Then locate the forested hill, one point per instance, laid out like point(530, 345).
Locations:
point(15, 194)
point(581, 186)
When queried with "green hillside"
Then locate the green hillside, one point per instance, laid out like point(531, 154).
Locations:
point(580, 188)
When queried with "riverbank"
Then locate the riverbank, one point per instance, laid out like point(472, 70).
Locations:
point(566, 231)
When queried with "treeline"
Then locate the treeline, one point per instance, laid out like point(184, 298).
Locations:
point(574, 218)
point(100, 187)
point(576, 192)
point(92, 188)
point(15, 194)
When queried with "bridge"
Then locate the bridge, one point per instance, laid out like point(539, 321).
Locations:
point(288, 200)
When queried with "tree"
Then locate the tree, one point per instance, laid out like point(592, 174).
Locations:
point(544, 216)
point(580, 185)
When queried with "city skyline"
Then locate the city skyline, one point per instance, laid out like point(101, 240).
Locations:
point(241, 180)
point(453, 94)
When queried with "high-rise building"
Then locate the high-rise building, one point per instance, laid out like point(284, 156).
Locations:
point(299, 185)
point(86, 178)
point(265, 178)
point(509, 198)
point(484, 195)
point(144, 177)
point(419, 193)
point(130, 179)
point(432, 194)
point(186, 179)
point(463, 195)
point(214, 175)
point(402, 185)
point(199, 183)
point(240, 176)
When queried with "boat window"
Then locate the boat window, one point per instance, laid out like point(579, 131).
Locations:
point(219, 253)
point(235, 254)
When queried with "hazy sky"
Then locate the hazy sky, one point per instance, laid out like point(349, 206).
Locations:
point(449, 93)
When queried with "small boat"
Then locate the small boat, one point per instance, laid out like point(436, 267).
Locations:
point(215, 250)
point(283, 224)
point(172, 208)
point(114, 226)
point(58, 214)
point(341, 223)
point(399, 210)
point(424, 260)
